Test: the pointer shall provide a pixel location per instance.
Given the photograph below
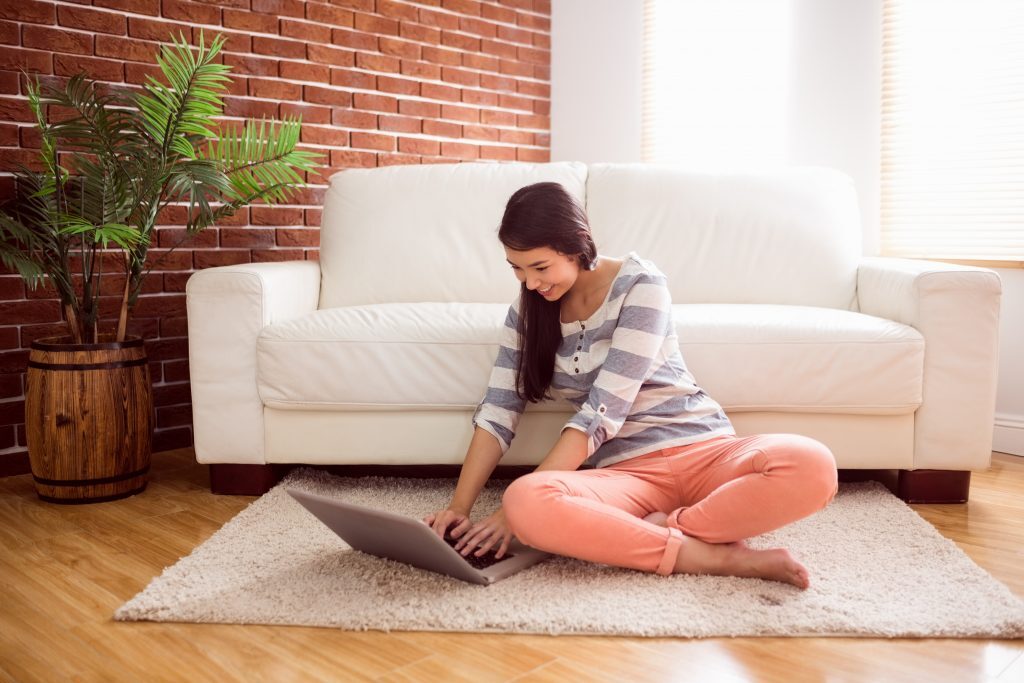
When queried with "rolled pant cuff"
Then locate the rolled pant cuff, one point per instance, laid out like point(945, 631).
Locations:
point(672, 545)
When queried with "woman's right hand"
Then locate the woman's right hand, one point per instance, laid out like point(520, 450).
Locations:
point(442, 519)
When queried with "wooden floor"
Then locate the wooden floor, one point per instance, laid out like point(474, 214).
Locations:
point(65, 569)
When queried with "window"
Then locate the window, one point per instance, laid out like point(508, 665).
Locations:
point(952, 176)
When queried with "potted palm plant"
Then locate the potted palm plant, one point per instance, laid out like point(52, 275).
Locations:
point(110, 163)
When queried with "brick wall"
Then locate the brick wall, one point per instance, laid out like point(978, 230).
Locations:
point(377, 82)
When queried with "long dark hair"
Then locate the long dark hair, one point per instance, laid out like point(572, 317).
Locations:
point(543, 215)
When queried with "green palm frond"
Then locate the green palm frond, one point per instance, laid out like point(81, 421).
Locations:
point(125, 236)
point(193, 98)
point(260, 160)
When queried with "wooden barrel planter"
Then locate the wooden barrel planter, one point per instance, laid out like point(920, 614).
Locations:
point(89, 419)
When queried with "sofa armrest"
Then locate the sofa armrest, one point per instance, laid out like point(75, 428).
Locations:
point(956, 309)
point(228, 306)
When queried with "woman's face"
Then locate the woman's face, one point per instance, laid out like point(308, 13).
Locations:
point(544, 270)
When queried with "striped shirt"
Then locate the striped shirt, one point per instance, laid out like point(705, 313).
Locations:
point(621, 370)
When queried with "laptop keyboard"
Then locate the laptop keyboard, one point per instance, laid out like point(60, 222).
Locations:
point(482, 562)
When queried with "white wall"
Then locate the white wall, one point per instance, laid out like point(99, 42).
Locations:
point(833, 109)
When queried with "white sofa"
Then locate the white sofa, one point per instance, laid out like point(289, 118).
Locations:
point(379, 353)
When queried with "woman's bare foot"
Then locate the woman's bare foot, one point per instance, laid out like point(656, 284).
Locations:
point(736, 559)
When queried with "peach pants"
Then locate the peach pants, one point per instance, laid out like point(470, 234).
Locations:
point(719, 491)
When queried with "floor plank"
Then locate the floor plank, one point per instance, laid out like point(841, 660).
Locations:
point(65, 569)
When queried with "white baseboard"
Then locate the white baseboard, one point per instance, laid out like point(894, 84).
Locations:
point(1008, 435)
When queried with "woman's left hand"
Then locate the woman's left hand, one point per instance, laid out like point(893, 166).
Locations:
point(486, 534)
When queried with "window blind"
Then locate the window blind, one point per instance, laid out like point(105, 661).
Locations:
point(952, 175)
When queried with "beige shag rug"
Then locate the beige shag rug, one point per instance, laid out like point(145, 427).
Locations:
point(877, 569)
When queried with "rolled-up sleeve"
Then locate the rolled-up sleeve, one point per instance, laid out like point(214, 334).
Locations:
point(637, 349)
point(499, 411)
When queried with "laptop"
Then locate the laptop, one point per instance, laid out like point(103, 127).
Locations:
point(413, 541)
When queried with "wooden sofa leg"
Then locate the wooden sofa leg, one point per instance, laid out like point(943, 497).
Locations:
point(245, 480)
point(934, 486)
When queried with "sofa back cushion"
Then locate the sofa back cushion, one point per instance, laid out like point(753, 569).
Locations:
point(789, 236)
point(406, 234)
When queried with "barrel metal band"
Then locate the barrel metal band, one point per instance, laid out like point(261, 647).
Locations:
point(87, 366)
point(90, 482)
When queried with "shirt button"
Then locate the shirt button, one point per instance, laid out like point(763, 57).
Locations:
point(576, 358)
point(602, 409)
point(577, 371)
point(579, 348)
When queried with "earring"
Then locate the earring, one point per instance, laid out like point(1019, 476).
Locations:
point(593, 264)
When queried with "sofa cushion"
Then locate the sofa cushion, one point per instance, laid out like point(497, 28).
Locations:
point(790, 236)
point(439, 355)
point(424, 232)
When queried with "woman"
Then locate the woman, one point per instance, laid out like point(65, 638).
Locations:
point(671, 488)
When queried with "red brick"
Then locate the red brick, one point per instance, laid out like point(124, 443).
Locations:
point(400, 124)
point(459, 150)
point(364, 5)
point(516, 102)
point(356, 39)
point(481, 133)
point(153, 29)
point(442, 129)
point(278, 47)
point(318, 95)
point(480, 62)
point(397, 10)
point(351, 158)
point(251, 21)
point(480, 97)
point(175, 282)
point(419, 108)
point(100, 69)
point(542, 107)
point(418, 146)
point(12, 287)
point(191, 12)
point(351, 118)
point(253, 66)
point(29, 11)
point(316, 135)
point(542, 139)
point(173, 416)
point(496, 13)
point(375, 102)
point(498, 153)
point(309, 113)
point(366, 140)
point(542, 40)
point(306, 31)
point(329, 16)
point(421, 70)
point(347, 78)
point(402, 86)
point(391, 159)
point(150, 7)
point(440, 92)
point(420, 33)
point(92, 20)
point(177, 237)
point(276, 215)
point(171, 439)
point(440, 19)
point(263, 255)
point(298, 238)
point(16, 59)
point(399, 48)
point(125, 48)
point(31, 311)
point(466, 114)
point(312, 219)
point(462, 6)
point(325, 54)
point(287, 8)
point(176, 371)
point(9, 82)
point(56, 40)
point(542, 72)
point(537, 156)
point(274, 89)
point(171, 394)
point(509, 66)
point(440, 55)
point(460, 76)
point(516, 137)
point(246, 237)
point(373, 62)
point(534, 88)
point(369, 23)
point(534, 21)
point(515, 35)
point(503, 83)
point(533, 121)
point(493, 47)
point(532, 55)
point(460, 41)
point(303, 71)
point(9, 137)
point(478, 27)
point(246, 108)
point(220, 257)
point(162, 259)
